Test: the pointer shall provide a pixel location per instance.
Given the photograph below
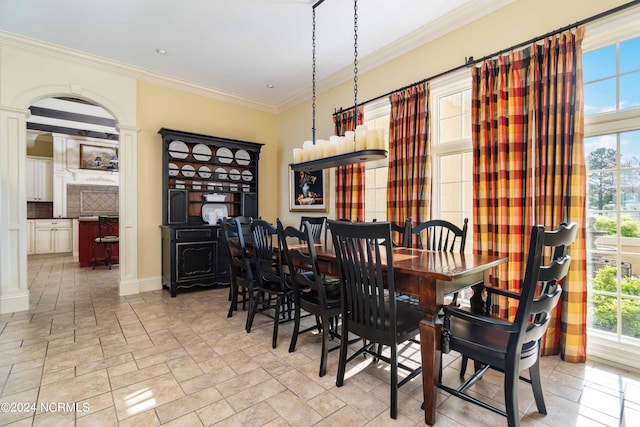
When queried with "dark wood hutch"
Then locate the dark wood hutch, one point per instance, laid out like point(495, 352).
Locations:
point(195, 166)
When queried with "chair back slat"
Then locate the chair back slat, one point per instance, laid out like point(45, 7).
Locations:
point(362, 251)
point(316, 224)
point(439, 235)
point(268, 267)
point(239, 260)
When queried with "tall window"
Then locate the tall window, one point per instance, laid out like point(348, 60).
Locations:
point(452, 193)
point(612, 148)
point(375, 203)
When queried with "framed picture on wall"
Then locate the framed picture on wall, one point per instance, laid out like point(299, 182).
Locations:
point(308, 191)
point(98, 157)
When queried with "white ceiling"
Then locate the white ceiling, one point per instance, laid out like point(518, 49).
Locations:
point(238, 47)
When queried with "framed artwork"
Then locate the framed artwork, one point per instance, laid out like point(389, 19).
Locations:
point(98, 158)
point(308, 191)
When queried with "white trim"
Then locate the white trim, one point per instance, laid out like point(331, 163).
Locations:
point(606, 349)
point(150, 284)
point(129, 287)
point(14, 301)
point(613, 28)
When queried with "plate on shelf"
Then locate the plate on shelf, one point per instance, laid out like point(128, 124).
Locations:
point(242, 157)
point(224, 155)
point(178, 150)
point(247, 176)
point(204, 172)
point(246, 188)
point(196, 185)
point(234, 174)
point(188, 171)
point(173, 169)
point(180, 184)
point(201, 152)
point(222, 173)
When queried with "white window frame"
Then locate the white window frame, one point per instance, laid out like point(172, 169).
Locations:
point(373, 111)
point(446, 85)
point(602, 346)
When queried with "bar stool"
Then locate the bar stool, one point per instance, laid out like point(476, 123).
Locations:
point(107, 237)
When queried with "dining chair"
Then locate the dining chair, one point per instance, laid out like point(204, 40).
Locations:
point(317, 224)
point(270, 279)
point(327, 230)
point(107, 238)
point(362, 251)
point(512, 346)
point(439, 235)
point(401, 233)
point(240, 269)
point(313, 291)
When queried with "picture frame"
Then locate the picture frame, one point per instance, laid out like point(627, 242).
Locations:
point(317, 194)
point(98, 157)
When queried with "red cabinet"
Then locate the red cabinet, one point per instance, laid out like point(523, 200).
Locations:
point(88, 230)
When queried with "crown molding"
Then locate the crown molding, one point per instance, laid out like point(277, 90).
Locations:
point(434, 30)
point(137, 73)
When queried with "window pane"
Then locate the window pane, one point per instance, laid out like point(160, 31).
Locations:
point(601, 191)
point(466, 126)
point(450, 168)
point(450, 105)
point(603, 310)
point(600, 97)
point(467, 199)
point(381, 177)
point(630, 192)
point(450, 129)
point(381, 203)
point(630, 149)
point(630, 90)
point(467, 166)
point(629, 57)
point(599, 63)
point(601, 151)
point(466, 101)
point(450, 197)
point(631, 313)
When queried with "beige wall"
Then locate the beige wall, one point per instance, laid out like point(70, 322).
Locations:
point(159, 107)
point(515, 23)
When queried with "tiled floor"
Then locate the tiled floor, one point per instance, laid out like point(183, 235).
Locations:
point(150, 359)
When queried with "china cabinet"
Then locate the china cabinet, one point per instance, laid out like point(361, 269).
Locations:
point(204, 178)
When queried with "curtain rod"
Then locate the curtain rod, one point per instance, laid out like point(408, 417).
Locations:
point(469, 62)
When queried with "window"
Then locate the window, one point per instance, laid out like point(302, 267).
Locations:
point(452, 160)
point(612, 148)
point(375, 204)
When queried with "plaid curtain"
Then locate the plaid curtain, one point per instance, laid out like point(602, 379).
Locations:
point(532, 95)
point(349, 178)
point(561, 179)
point(409, 181)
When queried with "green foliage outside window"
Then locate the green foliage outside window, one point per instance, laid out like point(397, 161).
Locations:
point(605, 307)
point(629, 227)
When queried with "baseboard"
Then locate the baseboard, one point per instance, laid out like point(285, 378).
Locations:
point(131, 287)
point(150, 284)
point(12, 302)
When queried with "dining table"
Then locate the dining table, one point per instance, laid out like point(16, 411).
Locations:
point(429, 276)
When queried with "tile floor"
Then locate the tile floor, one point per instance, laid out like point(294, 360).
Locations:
point(148, 360)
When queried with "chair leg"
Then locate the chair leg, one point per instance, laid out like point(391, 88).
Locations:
point(394, 381)
point(325, 346)
point(342, 360)
point(511, 379)
point(296, 327)
point(276, 321)
point(463, 368)
point(234, 299)
point(536, 385)
point(253, 307)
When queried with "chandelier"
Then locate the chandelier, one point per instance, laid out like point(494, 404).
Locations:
point(357, 146)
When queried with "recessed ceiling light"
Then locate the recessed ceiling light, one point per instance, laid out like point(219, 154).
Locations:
point(161, 51)
point(270, 86)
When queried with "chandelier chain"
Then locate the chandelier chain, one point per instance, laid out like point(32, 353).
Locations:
point(355, 59)
point(313, 96)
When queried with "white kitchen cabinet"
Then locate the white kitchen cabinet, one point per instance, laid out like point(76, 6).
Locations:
point(53, 236)
point(30, 236)
point(39, 179)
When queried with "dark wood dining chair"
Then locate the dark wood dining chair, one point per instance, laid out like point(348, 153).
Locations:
point(439, 235)
point(512, 346)
point(317, 224)
point(327, 231)
point(362, 250)
point(312, 291)
point(273, 291)
point(241, 276)
point(107, 238)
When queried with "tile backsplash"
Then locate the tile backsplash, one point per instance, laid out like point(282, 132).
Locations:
point(92, 200)
point(39, 210)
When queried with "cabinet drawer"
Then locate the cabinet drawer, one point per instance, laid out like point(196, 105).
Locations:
point(53, 223)
point(189, 234)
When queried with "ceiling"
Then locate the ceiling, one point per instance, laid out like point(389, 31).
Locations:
point(238, 48)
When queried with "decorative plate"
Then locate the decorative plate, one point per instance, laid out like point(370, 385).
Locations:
point(246, 188)
point(234, 174)
point(178, 150)
point(179, 184)
point(221, 172)
point(247, 176)
point(201, 152)
point(204, 172)
point(188, 171)
point(173, 169)
point(196, 185)
point(224, 155)
point(243, 158)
